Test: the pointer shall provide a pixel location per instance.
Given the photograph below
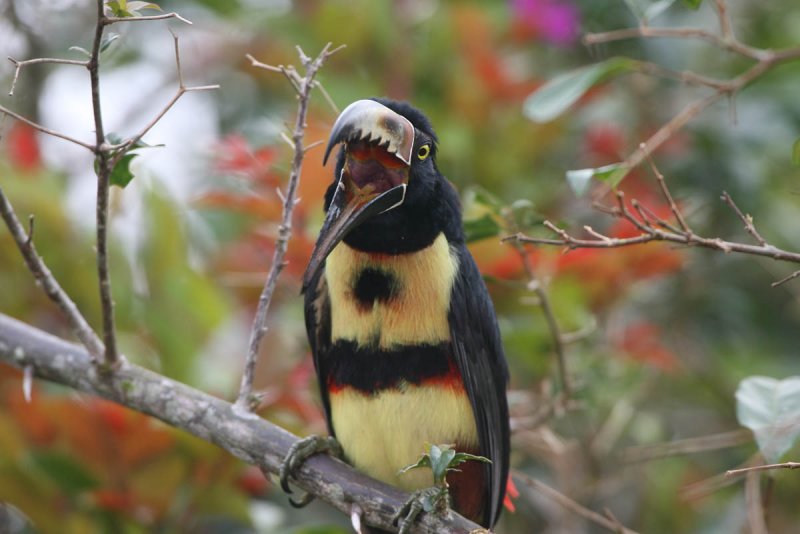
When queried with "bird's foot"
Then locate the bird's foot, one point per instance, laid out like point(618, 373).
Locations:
point(299, 453)
point(433, 499)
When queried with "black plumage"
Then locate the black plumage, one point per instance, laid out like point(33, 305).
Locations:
point(467, 356)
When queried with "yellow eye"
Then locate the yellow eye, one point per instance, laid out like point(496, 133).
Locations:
point(423, 152)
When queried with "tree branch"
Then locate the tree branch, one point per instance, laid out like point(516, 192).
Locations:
point(653, 228)
point(20, 64)
point(103, 169)
point(244, 435)
point(303, 86)
point(610, 523)
point(122, 149)
point(765, 60)
point(46, 130)
point(785, 465)
point(47, 281)
point(535, 285)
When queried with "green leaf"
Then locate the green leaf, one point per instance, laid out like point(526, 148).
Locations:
point(107, 40)
point(579, 179)
point(555, 96)
point(121, 174)
point(441, 459)
point(135, 7)
point(481, 228)
point(81, 50)
point(692, 4)
point(424, 461)
point(771, 409)
point(796, 152)
point(65, 471)
point(118, 8)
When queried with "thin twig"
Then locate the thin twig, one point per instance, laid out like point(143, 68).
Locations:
point(667, 195)
point(47, 281)
point(20, 64)
point(785, 465)
point(552, 323)
point(747, 220)
point(46, 130)
point(245, 400)
point(679, 33)
point(669, 129)
point(651, 232)
point(765, 61)
point(724, 21)
point(786, 279)
point(610, 524)
point(713, 442)
point(121, 150)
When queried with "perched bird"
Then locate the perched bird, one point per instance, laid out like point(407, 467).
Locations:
point(402, 330)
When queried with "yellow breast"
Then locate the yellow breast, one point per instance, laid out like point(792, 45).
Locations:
point(417, 314)
point(385, 432)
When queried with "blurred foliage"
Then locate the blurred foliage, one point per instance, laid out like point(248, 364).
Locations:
point(667, 333)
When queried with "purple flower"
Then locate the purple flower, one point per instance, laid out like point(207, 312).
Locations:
point(555, 21)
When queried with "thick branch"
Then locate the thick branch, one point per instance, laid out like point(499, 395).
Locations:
point(244, 435)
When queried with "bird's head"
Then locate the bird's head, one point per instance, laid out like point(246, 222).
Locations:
point(387, 194)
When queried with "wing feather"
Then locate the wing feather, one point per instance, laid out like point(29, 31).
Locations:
point(318, 326)
point(479, 355)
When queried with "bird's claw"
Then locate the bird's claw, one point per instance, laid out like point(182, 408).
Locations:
point(435, 498)
point(299, 453)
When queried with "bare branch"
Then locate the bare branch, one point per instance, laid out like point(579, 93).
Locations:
point(47, 281)
point(102, 164)
point(611, 524)
point(303, 85)
point(687, 446)
point(786, 279)
point(182, 89)
point(747, 220)
point(768, 467)
point(20, 64)
point(245, 436)
point(653, 228)
point(662, 184)
point(669, 129)
point(46, 130)
point(679, 33)
point(552, 323)
point(765, 61)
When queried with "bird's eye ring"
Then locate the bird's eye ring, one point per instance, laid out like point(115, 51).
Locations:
point(423, 152)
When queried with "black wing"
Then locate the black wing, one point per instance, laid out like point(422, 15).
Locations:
point(479, 354)
point(318, 326)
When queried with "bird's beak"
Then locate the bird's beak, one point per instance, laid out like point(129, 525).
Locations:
point(378, 145)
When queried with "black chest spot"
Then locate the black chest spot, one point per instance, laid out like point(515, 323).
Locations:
point(374, 284)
